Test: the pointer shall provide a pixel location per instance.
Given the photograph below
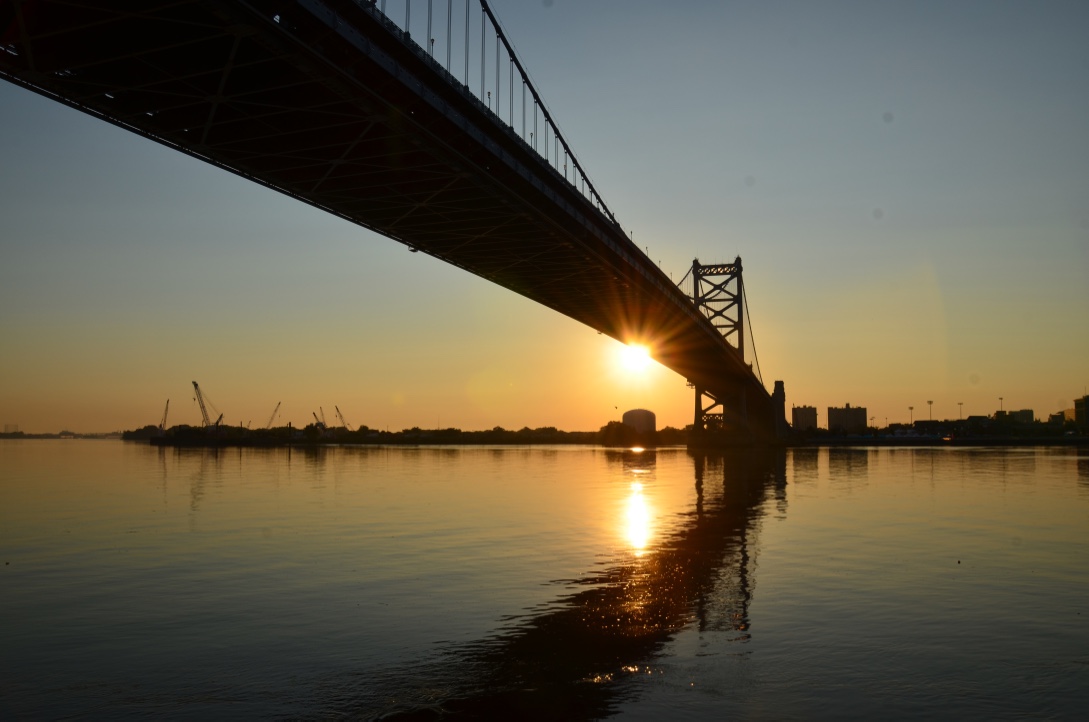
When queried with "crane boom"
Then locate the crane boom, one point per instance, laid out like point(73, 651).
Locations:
point(200, 402)
point(162, 424)
point(343, 421)
point(273, 417)
point(204, 404)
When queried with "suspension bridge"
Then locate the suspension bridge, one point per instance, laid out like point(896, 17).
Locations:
point(415, 120)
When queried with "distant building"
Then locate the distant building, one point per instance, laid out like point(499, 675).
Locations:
point(1024, 416)
point(978, 422)
point(803, 418)
point(641, 420)
point(1081, 414)
point(849, 419)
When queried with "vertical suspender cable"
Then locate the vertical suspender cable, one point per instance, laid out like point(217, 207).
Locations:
point(483, 47)
point(408, 15)
point(449, 24)
point(593, 195)
point(466, 43)
point(430, 40)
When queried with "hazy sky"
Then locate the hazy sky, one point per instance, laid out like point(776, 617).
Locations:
point(906, 182)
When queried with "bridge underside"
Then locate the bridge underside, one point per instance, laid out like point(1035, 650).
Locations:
point(325, 102)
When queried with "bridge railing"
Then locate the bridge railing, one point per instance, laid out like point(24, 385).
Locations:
point(464, 41)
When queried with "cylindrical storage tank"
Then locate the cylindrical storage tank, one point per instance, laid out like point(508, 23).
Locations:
point(641, 420)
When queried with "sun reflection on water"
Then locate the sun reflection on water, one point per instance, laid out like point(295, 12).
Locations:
point(638, 518)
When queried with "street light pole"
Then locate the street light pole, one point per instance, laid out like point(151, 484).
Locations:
point(960, 413)
point(911, 416)
point(931, 404)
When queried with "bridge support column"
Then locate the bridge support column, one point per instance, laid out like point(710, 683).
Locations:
point(720, 420)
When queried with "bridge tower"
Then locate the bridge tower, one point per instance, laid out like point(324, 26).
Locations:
point(718, 291)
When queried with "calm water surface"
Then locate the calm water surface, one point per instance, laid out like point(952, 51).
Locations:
point(556, 583)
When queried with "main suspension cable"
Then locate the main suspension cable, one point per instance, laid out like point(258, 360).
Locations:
point(752, 339)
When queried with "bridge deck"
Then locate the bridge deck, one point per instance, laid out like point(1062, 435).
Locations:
point(325, 101)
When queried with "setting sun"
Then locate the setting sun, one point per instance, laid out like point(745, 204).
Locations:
point(634, 358)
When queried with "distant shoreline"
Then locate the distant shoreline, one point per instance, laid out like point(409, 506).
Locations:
point(108, 436)
point(933, 442)
point(855, 442)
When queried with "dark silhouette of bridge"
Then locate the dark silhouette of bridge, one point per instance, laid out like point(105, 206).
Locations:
point(334, 104)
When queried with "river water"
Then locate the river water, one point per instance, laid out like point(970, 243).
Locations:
point(544, 582)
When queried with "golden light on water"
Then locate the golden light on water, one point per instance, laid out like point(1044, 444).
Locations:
point(638, 519)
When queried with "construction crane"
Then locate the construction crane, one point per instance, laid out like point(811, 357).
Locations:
point(343, 421)
point(204, 409)
point(273, 417)
point(323, 422)
point(162, 424)
point(318, 422)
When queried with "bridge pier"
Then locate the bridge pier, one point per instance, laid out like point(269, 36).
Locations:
point(778, 399)
point(721, 420)
point(724, 421)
